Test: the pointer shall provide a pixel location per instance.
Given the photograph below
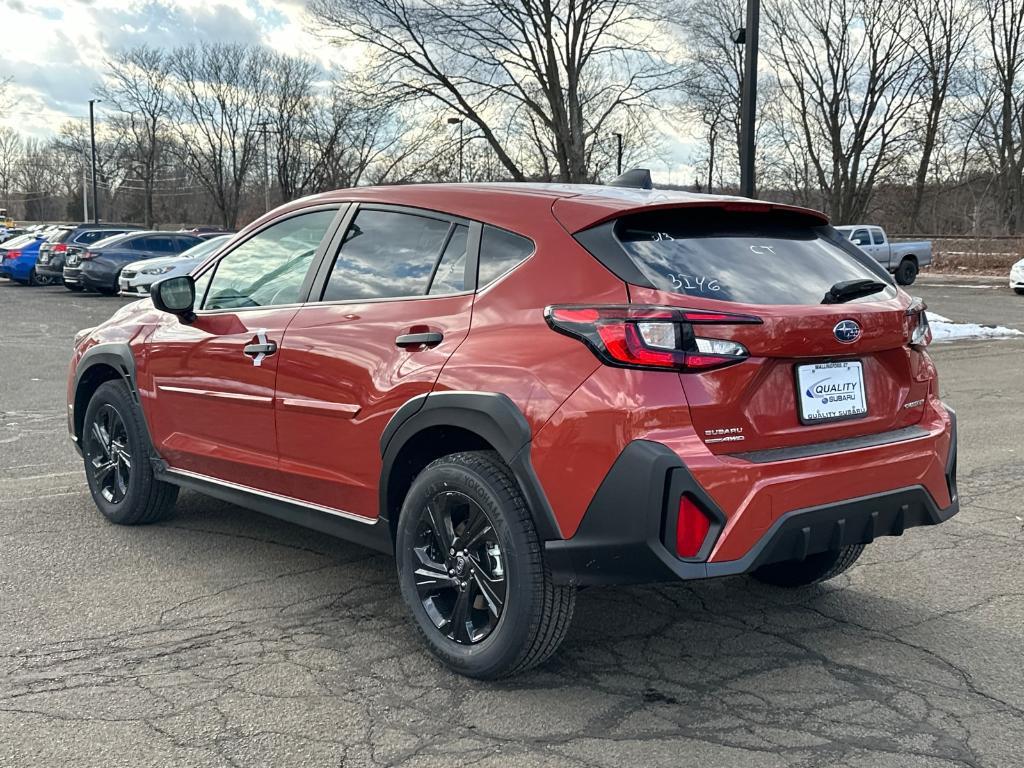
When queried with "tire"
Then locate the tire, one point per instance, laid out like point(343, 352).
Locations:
point(906, 272)
point(1019, 291)
point(74, 287)
point(116, 451)
point(515, 616)
point(35, 278)
point(813, 570)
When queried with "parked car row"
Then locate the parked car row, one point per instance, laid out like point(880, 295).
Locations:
point(94, 256)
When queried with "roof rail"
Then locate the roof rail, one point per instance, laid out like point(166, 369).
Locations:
point(637, 178)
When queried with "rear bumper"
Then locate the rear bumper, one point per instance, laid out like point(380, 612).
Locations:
point(625, 536)
point(51, 269)
point(17, 269)
point(72, 275)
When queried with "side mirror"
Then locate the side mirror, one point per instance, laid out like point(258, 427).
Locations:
point(176, 295)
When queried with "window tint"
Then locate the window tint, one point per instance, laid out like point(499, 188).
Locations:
point(500, 251)
point(876, 236)
point(92, 235)
point(184, 243)
point(164, 244)
point(141, 244)
point(268, 268)
point(120, 240)
point(750, 258)
point(386, 254)
point(451, 272)
point(860, 237)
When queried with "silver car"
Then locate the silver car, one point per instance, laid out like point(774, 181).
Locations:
point(136, 278)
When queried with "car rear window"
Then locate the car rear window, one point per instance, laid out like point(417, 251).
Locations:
point(749, 257)
point(60, 236)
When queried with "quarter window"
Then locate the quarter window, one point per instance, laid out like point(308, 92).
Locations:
point(269, 268)
point(500, 251)
point(386, 254)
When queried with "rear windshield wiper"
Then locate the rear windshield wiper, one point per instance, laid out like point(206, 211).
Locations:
point(847, 290)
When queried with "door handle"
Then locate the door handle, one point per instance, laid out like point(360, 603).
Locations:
point(429, 339)
point(261, 348)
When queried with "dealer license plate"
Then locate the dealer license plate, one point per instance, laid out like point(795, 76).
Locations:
point(831, 391)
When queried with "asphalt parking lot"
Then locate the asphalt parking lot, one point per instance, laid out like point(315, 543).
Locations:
point(228, 638)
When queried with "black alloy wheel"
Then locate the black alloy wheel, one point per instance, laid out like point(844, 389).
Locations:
point(108, 458)
point(460, 568)
point(472, 572)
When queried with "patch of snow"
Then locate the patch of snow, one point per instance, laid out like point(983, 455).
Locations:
point(944, 329)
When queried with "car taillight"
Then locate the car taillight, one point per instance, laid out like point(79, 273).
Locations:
point(658, 338)
point(692, 527)
point(919, 331)
point(87, 255)
point(58, 248)
point(14, 254)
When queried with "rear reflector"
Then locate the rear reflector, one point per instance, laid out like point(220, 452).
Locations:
point(692, 528)
point(658, 338)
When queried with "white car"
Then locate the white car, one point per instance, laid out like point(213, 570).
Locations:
point(1017, 277)
point(137, 277)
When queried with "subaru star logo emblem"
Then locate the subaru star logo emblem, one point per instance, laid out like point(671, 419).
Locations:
point(846, 331)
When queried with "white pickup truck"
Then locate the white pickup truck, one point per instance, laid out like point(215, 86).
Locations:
point(902, 259)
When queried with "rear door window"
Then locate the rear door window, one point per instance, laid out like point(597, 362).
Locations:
point(450, 276)
point(876, 237)
point(386, 254)
point(752, 258)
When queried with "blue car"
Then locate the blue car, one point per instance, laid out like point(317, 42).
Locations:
point(18, 259)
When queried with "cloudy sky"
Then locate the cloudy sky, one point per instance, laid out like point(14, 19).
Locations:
point(54, 50)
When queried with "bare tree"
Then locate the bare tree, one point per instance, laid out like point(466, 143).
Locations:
point(10, 154)
point(220, 93)
point(714, 79)
point(295, 116)
point(848, 80)
point(73, 143)
point(941, 35)
point(39, 177)
point(568, 69)
point(999, 106)
point(137, 86)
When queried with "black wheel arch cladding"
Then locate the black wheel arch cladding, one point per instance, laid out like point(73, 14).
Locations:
point(491, 416)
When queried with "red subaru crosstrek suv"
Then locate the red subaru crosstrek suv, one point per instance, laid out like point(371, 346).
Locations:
point(519, 389)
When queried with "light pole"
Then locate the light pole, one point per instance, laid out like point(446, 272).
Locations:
point(92, 138)
point(747, 37)
point(262, 127)
point(459, 121)
point(618, 154)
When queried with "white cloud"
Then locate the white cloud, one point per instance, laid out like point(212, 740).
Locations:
point(55, 51)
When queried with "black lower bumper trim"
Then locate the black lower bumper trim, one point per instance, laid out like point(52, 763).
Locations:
point(622, 537)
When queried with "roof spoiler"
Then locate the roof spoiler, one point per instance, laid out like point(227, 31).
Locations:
point(637, 178)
